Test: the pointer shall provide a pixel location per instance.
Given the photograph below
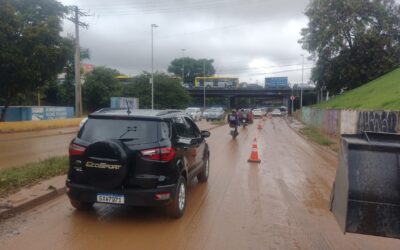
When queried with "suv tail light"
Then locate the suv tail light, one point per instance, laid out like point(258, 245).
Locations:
point(75, 149)
point(159, 154)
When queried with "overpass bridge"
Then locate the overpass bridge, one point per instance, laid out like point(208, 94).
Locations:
point(277, 95)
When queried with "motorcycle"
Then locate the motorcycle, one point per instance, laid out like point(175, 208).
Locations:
point(234, 133)
point(245, 122)
point(232, 119)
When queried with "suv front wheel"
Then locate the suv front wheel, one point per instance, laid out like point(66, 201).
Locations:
point(178, 203)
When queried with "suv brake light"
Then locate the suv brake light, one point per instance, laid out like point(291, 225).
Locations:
point(159, 154)
point(75, 149)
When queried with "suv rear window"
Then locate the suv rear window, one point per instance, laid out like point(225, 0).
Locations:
point(139, 131)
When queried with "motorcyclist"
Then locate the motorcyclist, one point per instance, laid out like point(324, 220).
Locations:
point(245, 116)
point(233, 121)
point(240, 116)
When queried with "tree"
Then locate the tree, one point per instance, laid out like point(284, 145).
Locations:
point(100, 85)
point(191, 68)
point(32, 51)
point(63, 93)
point(354, 41)
point(168, 92)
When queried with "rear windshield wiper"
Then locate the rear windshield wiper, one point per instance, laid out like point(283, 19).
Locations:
point(128, 129)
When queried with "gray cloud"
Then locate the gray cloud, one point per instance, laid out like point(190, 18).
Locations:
point(237, 34)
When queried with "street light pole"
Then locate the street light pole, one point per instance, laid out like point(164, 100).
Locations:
point(183, 66)
point(152, 67)
point(302, 82)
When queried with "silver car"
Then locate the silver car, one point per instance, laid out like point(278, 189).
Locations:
point(214, 114)
point(276, 112)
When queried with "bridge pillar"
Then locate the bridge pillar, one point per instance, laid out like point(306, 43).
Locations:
point(232, 102)
point(286, 102)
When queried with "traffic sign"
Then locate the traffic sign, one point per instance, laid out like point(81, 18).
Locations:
point(292, 98)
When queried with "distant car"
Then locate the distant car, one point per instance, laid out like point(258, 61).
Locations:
point(83, 121)
point(188, 85)
point(214, 114)
point(276, 112)
point(257, 113)
point(194, 113)
point(283, 110)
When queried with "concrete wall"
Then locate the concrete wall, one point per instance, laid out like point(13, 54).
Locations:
point(348, 121)
point(38, 113)
point(334, 122)
point(14, 114)
point(326, 120)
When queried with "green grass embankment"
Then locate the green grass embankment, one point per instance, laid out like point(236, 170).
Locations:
point(382, 93)
point(16, 178)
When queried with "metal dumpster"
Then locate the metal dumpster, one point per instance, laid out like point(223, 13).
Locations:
point(366, 193)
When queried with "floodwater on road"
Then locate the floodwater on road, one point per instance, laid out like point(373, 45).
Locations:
point(20, 148)
point(281, 203)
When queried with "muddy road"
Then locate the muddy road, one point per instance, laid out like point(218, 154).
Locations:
point(281, 203)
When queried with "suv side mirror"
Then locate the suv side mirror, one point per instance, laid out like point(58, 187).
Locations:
point(205, 133)
point(186, 141)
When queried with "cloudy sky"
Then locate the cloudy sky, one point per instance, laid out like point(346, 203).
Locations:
point(250, 39)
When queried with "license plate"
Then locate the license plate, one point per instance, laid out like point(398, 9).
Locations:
point(111, 198)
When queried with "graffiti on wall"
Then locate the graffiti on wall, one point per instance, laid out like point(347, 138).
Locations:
point(384, 121)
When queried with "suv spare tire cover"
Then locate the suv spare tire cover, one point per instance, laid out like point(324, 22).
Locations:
point(105, 164)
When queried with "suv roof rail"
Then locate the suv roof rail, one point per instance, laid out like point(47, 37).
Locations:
point(168, 111)
point(137, 112)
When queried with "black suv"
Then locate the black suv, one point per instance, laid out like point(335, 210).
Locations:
point(139, 158)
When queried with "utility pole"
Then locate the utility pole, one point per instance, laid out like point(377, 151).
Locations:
point(78, 87)
point(183, 66)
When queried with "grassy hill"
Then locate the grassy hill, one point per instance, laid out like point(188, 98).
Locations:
point(381, 93)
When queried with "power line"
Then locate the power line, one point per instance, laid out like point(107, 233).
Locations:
point(168, 5)
point(261, 68)
point(276, 72)
point(226, 27)
point(132, 11)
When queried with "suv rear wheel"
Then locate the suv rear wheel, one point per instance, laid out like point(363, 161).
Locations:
point(203, 176)
point(178, 204)
point(79, 205)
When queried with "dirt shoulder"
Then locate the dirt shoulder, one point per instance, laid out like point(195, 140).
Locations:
point(25, 126)
point(313, 135)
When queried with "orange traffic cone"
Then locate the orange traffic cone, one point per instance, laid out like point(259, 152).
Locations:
point(254, 153)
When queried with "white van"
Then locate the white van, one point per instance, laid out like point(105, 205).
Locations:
point(193, 112)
